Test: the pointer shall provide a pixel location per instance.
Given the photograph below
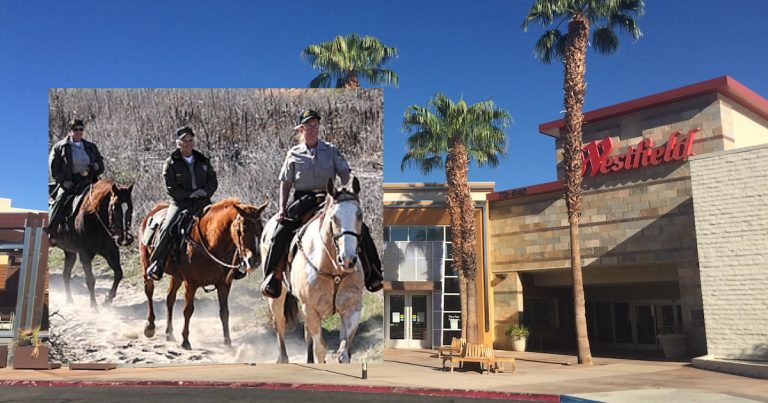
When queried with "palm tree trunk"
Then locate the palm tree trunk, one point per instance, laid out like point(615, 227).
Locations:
point(574, 61)
point(464, 251)
point(454, 212)
point(351, 81)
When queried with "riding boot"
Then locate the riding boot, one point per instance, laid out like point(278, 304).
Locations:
point(271, 287)
point(374, 280)
point(157, 259)
point(54, 216)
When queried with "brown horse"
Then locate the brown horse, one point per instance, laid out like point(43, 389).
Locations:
point(102, 223)
point(224, 237)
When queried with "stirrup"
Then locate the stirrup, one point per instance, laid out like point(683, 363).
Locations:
point(154, 272)
point(271, 287)
point(375, 286)
point(238, 274)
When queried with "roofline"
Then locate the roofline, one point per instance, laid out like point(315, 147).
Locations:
point(410, 186)
point(526, 191)
point(725, 85)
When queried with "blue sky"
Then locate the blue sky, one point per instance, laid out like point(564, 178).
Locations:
point(474, 50)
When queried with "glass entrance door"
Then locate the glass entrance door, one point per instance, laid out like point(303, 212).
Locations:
point(407, 321)
point(645, 328)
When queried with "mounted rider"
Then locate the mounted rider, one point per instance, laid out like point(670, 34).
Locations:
point(190, 181)
point(306, 169)
point(74, 163)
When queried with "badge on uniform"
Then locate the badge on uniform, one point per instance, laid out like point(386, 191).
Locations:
point(205, 168)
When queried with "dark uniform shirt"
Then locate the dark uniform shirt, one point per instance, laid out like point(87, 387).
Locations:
point(60, 161)
point(179, 183)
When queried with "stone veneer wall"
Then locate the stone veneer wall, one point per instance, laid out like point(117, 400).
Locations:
point(638, 218)
point(730, 192)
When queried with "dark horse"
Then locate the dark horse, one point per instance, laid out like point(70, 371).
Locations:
point(224, 238)
point(102, 222)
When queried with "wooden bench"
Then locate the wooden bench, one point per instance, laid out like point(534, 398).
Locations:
point(482, 354)
point(497, 363)
point(453, 349)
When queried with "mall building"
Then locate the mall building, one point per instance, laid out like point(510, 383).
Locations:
point(646, 241)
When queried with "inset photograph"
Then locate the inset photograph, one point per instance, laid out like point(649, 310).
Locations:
point(193, 226)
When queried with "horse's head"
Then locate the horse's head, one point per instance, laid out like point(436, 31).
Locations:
point(246, 231)
point(346, 223)
point(121, 214)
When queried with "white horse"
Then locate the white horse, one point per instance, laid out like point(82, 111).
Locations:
point(324, 274)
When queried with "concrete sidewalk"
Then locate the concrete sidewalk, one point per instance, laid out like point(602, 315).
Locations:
point(539, 376)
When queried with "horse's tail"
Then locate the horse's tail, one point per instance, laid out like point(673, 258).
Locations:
point(290, 311)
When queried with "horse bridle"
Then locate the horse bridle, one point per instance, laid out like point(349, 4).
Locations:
point(111, 227)
point(238, 258)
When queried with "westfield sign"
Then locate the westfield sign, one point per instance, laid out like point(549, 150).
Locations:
point(597, 154)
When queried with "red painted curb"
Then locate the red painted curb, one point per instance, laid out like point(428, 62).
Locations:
point(292, 386)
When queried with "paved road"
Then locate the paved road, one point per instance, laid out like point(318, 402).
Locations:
point(196, 394)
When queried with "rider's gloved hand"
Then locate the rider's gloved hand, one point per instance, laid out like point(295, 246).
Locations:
point(198, 193)
point(67, 185)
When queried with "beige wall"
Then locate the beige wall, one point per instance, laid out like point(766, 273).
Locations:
point(730, 192)
point(746, 128)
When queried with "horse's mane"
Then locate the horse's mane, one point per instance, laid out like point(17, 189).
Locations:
point(224, 204)
point(98, 191)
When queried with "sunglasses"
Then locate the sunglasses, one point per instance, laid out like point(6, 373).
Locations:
point(78, 129)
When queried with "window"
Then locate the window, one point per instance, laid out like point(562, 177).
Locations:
point(540, 312)
point(413, 253)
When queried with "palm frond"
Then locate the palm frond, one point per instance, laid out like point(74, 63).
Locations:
point(353, 54)
point(380, 76)
point(605, 41)
point(550, 46)
point(323, 80)
point(544, 12)
point(626, 23)
point(434, 128)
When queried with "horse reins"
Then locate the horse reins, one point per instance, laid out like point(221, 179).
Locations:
point(201, 245)
point(110, 208)
point(336, 278)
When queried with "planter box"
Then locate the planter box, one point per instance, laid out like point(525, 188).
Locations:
point(3, 356)
point(22, 358)
point(518, 345)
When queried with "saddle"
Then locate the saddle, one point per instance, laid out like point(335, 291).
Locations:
point(293, 248)
point(70, 204)
point(179, 230)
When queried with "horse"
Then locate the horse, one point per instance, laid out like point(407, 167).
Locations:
point(222, 240)
point(102, 223)
point(324, 275)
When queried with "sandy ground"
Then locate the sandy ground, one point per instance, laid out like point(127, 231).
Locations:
point(115, 333)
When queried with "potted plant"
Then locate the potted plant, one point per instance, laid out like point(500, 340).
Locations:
point(672, 340)
point(519, 334)
point(29, 352)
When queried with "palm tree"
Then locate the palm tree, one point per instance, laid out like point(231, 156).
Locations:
point(346, 59)
point(449, 135)
point(571, 49)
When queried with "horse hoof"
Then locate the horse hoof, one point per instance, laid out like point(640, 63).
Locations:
point(228, 343)
point(70, 300)
point(149, 331)
point(186, 346)
point(107, 301)
point(282, 360)
point(170, 338)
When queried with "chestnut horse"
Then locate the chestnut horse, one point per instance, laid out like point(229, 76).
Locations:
point(324, 275)
point(224, 238)
point(102, 223)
